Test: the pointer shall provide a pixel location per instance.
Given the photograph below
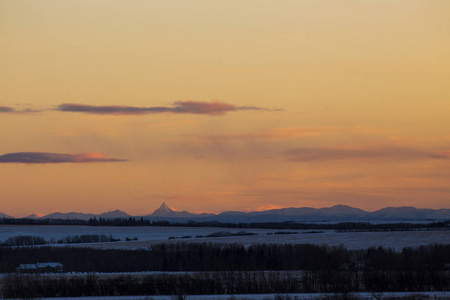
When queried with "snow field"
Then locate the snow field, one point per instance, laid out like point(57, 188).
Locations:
point(148, 236)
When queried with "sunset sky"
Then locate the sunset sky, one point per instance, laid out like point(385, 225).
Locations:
point(223, 105)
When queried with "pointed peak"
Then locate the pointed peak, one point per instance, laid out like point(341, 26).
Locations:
point(164, 205)
point(164, 209)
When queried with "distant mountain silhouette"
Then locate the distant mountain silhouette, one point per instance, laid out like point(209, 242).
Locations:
point(408, 212)
point(114, 214)
point(343, 210)
point(163, 210)
point(340, 213)
point(82, 216)
point(71, 215)
point(337, 213)
point(32, 216)
point(337, 210)
point(167, 212)
point(2, 215)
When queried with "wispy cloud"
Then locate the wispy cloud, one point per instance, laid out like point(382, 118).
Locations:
point(441, 155)
point(397, 153)
point(53, 158)
point(215, 108)
point(9, 109)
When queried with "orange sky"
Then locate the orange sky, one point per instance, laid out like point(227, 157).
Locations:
point(223, 105)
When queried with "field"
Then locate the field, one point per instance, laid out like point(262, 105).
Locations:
point(208, 264)
point(147, 236)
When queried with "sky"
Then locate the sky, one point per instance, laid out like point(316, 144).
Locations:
point(212, 106)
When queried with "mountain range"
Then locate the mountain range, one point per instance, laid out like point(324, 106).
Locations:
point(337, 213)
point(165, 211)
point(2, 215)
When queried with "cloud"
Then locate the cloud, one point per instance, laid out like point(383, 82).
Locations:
point(322, 154)
point(53, 158)
point(8, 109)
point(215, 108)
point(441, 155)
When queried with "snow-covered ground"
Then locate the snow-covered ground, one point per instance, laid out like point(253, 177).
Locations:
point(145, 233)
point(148, 236)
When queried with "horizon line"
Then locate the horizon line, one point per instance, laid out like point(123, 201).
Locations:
point(41, 215)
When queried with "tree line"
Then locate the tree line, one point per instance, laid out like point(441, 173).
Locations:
point(140, 221)
point(229, 269)
point(214, 283)
point(32, 240)
point(231, 257)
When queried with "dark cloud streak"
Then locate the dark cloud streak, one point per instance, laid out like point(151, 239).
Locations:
point(53, 158)
point(6, 109)
point(10, 110)
point(181, 107)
